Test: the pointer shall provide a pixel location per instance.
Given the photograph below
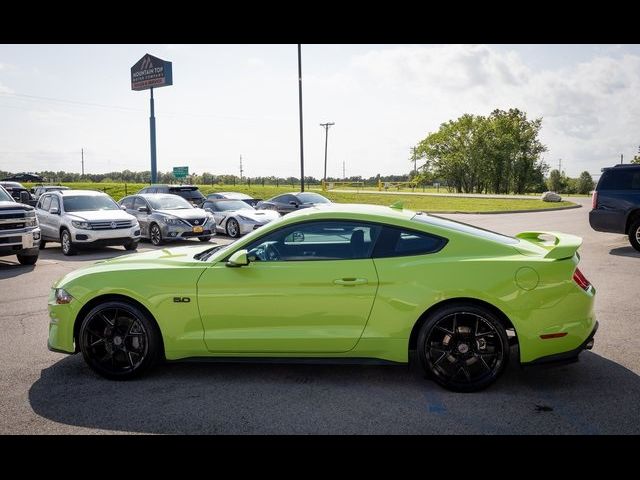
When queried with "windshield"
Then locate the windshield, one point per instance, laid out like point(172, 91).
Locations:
point(188, 193)
point(4, 196)
point(312, 198)
point(12, 185)
point(167, 202)
point(225, 205)
point(88, 203)
point(464, 228)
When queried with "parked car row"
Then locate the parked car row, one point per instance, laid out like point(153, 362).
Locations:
point(79, 219)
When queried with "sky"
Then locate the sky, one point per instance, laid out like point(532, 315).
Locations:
point(229, 101)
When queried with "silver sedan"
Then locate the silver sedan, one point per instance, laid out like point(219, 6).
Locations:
point(237, 218)
point(164, 217)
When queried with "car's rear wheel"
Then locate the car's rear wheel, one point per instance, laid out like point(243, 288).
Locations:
point(155, 235)
point(67, 245)
point(634, 234)
point(463, 347)
point(233, 228)
point(119, 341)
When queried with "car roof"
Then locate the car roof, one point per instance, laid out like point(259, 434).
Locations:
point(83, 193)
point(156, 185)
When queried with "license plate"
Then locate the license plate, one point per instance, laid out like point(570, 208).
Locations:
point(197, 229)
point(27, 241)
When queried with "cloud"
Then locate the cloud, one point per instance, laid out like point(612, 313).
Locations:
point(590, 110)
point(255, 62)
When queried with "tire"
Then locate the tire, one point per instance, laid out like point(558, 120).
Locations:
point(119, 341)
point(233, 228)
point(131, 246)
point(463, 347)
point(27, 259)
point(205, 239)
point(634, 234)
point(155, 234)
point(42, 243)
point(67, 244)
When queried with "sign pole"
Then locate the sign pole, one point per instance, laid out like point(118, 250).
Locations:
point(152, 130)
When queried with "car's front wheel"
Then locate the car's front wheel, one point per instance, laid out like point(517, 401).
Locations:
point(205, 239)
point(155, 235)
point(634, 234)
point(133, 245)
point(119, 341)
point(67, 245)
point(27, 259)
point(233, 228)
point(463, 347)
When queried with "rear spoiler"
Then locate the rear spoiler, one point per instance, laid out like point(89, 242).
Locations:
point(563, 245)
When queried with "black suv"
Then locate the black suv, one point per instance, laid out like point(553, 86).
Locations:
point(616, 202)
point(188, 192)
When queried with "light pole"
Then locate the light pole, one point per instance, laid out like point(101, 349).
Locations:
point(326, 139)
point(300, 103)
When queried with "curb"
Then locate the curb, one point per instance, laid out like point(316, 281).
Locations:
point(506, 211)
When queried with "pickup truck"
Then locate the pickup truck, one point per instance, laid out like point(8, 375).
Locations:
point(19, 230)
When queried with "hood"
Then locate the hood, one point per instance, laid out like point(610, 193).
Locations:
point(5, 205)
point(185, 213)
point(101, 215)
point(256, 215)
point(165, 258)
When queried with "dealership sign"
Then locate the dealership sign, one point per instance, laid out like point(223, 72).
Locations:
point(151, 72)
point(180, 172)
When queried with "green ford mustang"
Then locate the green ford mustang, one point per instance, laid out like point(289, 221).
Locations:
point(343, 281)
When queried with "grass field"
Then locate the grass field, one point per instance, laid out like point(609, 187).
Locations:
point(415, 202)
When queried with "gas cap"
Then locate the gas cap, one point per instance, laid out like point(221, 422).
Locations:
point(527, 278)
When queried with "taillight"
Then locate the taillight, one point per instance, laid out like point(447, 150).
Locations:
point(594, 200)
point(581, 280)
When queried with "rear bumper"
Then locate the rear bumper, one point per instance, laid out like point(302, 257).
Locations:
point(565, 357)
point(611, 221)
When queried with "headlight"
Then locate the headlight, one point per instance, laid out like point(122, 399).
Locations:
point(172, 221)
point(62, 296)
point(81, 225)
point(30, 222)
point(246, 219)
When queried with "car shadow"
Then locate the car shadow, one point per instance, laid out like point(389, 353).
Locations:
point(625, 252)
point(10, 269)
point(593, 396)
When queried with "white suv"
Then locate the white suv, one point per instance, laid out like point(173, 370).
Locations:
point(77, 218)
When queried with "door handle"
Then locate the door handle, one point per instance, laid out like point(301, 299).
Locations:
point(349, 282)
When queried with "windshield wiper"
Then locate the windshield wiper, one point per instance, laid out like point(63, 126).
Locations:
point(204, 256)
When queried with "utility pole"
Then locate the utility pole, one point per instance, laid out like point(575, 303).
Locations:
point(300, 103)
point(560, 166)
point(241, 168)
point(82, 153)
point(326, 139)
point(621, 159)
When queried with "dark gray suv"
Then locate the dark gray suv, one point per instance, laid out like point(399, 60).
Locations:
point(616, 202)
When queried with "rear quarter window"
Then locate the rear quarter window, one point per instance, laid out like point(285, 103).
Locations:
point(399, 242)
point(621, 179)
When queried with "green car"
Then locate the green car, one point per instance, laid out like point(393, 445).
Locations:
point(348, 282)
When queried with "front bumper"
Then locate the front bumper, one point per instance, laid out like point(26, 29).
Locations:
point(18, 241)
point(565, 357)
point(182, 232)
point(61, 322)
point(103, 238)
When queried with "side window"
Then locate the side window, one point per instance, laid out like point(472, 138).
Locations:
point(398, 242)
point(210, 206)
point(127, 203)
point(54, 203)
point(45, 203)
point(635, 181)
point(139, 202)
point(284, 199)
point(323, 240)
point(622, 179)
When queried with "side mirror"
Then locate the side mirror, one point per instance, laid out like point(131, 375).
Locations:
point(123, 207)
point(295, 204)
point(238, 259)
point(24, 196)
point(143, 209)
point(54, 211)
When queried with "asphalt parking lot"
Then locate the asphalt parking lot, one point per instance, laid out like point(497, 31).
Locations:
point(45, 392)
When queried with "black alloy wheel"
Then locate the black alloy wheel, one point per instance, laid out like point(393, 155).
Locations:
point(464, 348)
point(118, 340)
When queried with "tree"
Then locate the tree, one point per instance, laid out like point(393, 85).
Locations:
point(556, 182)
point(585, 183)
